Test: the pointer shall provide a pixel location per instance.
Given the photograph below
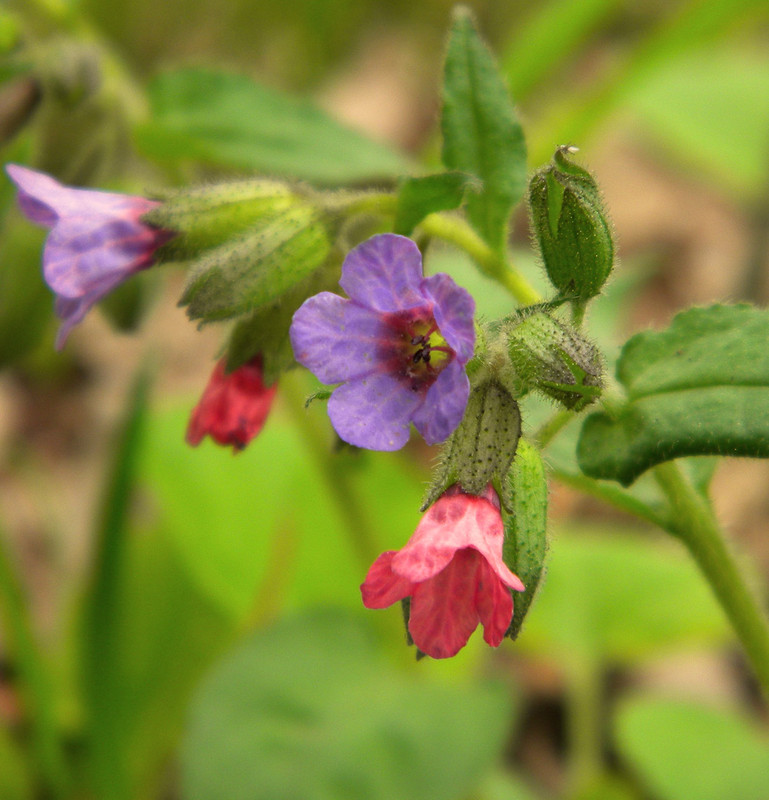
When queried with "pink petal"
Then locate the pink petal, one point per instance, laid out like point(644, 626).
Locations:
point(443, 611)
point(495, 605)
point(382, 586)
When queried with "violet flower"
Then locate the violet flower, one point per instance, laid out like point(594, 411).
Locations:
point(398, 346)
point(97, 240)
point(452, 569)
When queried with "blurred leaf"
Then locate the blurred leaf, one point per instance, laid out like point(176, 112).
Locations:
point(504, 786)
point(481, 133)
point(700, 387)
point(267, 517)
point(418, 197)
point(26, 303)
point(15, 783)
point(685, 751)
point(547, 37)
point(102, 608)
point(228, 120)
point(309, 709)
point(620, 598)
point(711, 110)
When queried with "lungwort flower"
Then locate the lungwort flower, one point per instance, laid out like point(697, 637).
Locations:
point(97, 240)
point(398, 346)
point(234, 406)
point(452, 569)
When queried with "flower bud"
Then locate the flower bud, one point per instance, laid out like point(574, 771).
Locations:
point(556, 360)
point(525, 545)
point(481, 449)
point(571, 227)
point(247, 243)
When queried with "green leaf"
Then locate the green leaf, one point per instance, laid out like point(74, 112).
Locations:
point(481, 133)
point(526, 527)
point(418, 197)
point(15, 783)
point(620, 598)
point(700, 387)
point(250, 271)
point(228, 120)
point(685, 751)
point(310, 709)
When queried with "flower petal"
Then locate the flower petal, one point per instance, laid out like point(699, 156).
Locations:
point(494, 603)
point(337, 339)
point(382, 586)
point(453, 309)
point(384, 273)
point(443, 611)
point(444, 404)
point(373, 412)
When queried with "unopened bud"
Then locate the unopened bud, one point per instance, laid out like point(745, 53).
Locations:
point(556, 360)
point(571, 227)
point(480, 450)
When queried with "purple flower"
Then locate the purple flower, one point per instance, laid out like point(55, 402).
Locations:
point(97, 240)
point(398, 346)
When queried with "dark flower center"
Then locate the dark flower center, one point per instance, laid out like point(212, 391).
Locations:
point(419, 352)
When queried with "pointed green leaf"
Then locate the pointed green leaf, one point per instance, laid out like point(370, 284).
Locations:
point(228, 120)
point(481, 133)
point(700, 387)
point(418, 197)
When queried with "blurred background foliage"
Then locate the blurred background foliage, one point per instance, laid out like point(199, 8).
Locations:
point(182, 623)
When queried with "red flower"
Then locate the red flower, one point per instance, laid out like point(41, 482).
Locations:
point(233, 407)
point(452, 570)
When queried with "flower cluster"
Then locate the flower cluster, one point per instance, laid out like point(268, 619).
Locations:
point(397, 345)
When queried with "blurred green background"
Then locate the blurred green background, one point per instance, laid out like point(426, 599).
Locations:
point(182, 623)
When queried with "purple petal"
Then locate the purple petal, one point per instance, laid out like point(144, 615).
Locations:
point(337, 339)
point(373, 412)
point(444, 404)
point(384, 273)
point(94, 234)
point(453, 310)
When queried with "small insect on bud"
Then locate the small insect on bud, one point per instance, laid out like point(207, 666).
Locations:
point(571, 227)
point(556, 360)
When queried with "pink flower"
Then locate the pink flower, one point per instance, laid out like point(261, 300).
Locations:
point(452, 569)
point(234, 406)
point(96, 241)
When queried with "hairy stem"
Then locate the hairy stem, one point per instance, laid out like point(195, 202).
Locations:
point(693, 522)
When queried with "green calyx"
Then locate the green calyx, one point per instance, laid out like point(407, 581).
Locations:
point(571, 227)
point(480, 450)
point(555, 359)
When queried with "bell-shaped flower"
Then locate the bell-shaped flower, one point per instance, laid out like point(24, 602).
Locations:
point(452, 569)
point(96, 240)
point(398, 346)
point(234, 406)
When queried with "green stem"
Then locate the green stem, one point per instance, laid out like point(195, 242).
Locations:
point(612, 495)
point(344, 495)
point(693, 522)
point(550, 429)
point(33, 678)
point(456, 231)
